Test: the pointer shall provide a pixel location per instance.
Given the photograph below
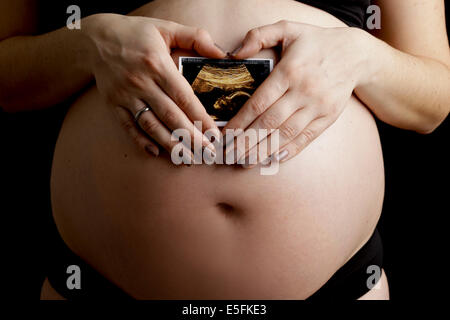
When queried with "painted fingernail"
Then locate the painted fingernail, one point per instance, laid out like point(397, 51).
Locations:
point(235, 51)
point(208, 145)
point(212, 136)
point(267, 161)
point(280, 156)
point(246, 163)
point(209, 155)
point(217, 135)
point(188, 158)
point(248, 166)
point(152, 150)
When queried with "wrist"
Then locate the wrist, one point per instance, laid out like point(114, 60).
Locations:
point(368, 51)
point(94, 29)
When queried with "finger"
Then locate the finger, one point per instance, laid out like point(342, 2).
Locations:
point(288, 131)
point(196, 39)
point(274, 87)
point(178, 89)
point(296, 124)
point(308, 135)
point(279, 112)
point(173, 117)
point(260, 153)
point(272, 118)
point(150, 124)
point(127, 122)
point(268, 36)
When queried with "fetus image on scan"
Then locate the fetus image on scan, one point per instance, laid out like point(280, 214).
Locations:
point(224, 90)
point(223, 86)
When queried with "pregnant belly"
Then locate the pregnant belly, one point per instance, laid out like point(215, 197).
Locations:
point(162, 231)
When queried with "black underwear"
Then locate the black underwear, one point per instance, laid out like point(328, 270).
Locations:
point(348, 283)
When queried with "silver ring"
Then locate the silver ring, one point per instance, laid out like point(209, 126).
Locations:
point(139, 113)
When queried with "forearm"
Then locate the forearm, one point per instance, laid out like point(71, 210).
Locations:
point(40, 71)
point(403, 90)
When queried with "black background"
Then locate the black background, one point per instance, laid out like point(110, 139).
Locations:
point(413, 223)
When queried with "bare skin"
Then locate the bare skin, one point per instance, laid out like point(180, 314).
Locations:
point(402, 105)
point(216, 231)
point(404, 82)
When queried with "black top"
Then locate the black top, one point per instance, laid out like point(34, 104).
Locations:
point(351, 12)
point(53, 13)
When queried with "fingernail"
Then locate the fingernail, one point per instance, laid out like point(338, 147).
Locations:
point(217, 135)
point(280, 156)
point(235, 51)
point(210, 156)
point(248, 166)
point(188, 158)
point(152, 150)
point(208, 145)
point(267, 161)
point(214, 136)
point(219, 47)
point(212, 151)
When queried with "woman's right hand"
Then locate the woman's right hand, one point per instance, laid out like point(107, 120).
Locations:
point(130, 59)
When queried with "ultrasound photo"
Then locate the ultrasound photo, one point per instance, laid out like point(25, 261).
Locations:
point(224, 85)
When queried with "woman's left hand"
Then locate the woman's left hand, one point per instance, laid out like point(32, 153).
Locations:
point(306, 91)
